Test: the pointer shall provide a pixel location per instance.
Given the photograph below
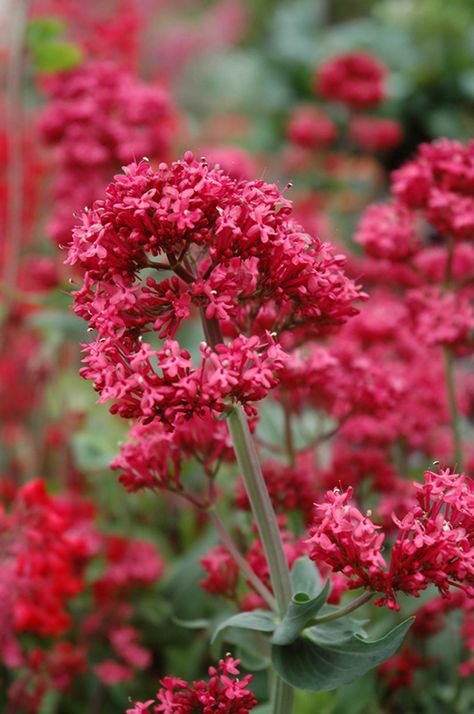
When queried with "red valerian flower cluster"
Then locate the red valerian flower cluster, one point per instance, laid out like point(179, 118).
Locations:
point(46, 544)
point(437, 187)
point(44, 549)
point(356, 79)
point(153, 456)
point(311, 128)
point(403, 232)
point(224, 693)
point(434, 545)
point(237, 258)
point(440, 182)
point(389, 231)
point(373, 134)
point(98, 118)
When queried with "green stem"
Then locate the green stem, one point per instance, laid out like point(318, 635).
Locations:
point(358, 602)
point(262, 510)
point(268, 529)
point(283, 697)
point(453, 407)
point(261, 505)
point(251, 576)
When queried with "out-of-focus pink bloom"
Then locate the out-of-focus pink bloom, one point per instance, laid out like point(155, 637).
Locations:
point(100, 117)
point(388, 230)
point(311, 128)
point(236, 162)
point(374, 135)
point(356, 79)
point(440, 182)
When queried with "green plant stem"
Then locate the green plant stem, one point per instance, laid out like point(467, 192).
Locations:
point(453, 406)
point(262, 510)
point(283, 695)
point(251, 576)
point(261, 505)
point(354, 605)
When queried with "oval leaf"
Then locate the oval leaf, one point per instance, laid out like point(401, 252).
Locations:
point(257, 620)
point(304, 664)
point(300, 611)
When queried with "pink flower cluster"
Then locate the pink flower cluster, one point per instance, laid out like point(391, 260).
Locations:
point(237, 258)
point(311, 128)
point(424, 238)
point(46, 545)
point(434, 545)
point(153, 456)
point(98, 118)
point(437, 187)
point(147, 384)
point(356, 79)
point(373, 134)
point(223, 693)
point(223, 576)
point(440, 183)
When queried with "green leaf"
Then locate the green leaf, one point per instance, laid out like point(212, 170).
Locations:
point(305, 664)
point(300, 611)
point(257, 620)
point(337, 631)
point(57, 56)
point(49, 51)
point(305, 577)
point(43, 30)
point(250, 646)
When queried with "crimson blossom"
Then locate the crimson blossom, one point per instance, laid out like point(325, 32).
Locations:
point(224, 693)
point(434, 545)
point(98, 118)
point(237, 258)
point(311, 128)
point(356, 79)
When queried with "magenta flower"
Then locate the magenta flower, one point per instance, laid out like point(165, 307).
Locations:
point(237, 258)
point(434, 545)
